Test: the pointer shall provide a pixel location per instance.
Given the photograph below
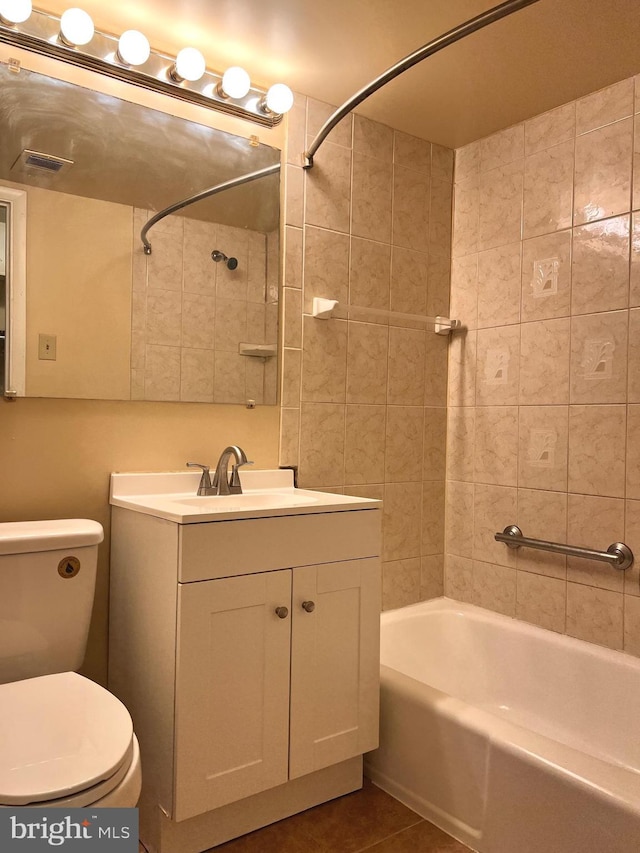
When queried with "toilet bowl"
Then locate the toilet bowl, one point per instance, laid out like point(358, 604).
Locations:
point(65, 741)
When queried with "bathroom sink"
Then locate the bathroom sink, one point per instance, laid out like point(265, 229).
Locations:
point(173, 496)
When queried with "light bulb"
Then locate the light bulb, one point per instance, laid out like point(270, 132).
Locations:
point(279, 99)
point(235, 82)
point(133, 48)
point(189, 65)
point(15, 11)
point(76, 27)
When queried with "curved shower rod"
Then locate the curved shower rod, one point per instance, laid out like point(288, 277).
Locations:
point(450, 37)
point(226, 185)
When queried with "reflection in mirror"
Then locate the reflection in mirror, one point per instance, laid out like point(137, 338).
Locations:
point(105, 321)
point(3, 294)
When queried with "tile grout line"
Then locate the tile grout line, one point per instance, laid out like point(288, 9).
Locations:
point(393, 835)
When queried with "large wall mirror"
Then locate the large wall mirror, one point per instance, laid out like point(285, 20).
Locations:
point(104, 320)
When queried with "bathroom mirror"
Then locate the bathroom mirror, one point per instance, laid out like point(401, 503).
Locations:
point(194, 321)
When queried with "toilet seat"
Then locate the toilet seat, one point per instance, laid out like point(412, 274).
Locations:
point(64, 741)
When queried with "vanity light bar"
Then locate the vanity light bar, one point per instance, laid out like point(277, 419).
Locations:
point(41, 33)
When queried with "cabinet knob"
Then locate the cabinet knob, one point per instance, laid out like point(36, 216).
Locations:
point(282, 612)
point(309, 606)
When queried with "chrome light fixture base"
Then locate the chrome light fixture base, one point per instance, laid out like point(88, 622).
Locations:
point(40, 33)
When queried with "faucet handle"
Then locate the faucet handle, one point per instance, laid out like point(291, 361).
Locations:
point(234, 482)
point(205, 481)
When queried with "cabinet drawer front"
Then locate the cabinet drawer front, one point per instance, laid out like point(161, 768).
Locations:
point(227, 548)
point(232, 690)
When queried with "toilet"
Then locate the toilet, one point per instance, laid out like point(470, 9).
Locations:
point(64, 740)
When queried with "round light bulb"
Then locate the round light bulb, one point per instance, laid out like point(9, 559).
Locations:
point(15, 11)
point(76, 27)
point(279, 98)
point(235, 82)
point(189, 65)
point(133, 48)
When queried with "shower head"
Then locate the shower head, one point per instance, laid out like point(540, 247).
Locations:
point(217, 256)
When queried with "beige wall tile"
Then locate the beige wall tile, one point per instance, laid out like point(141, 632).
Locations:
point(433, 518)
point(435, 437)
point(499, 285)
point(412, 152)
point(328, 190)
point(632, 625)
point(636, 164)
point(292, 317)
point(500, 206)
point(198, 270)
point(229, 370)
point(464, 290)
point(289, 453)
point(138, 345)
point(603, 172)
point(467, 161)
point(435, 379)
point(370, 274)
point(296, 130)
point(633, 452)
point(365, 444)
point(322, 430)
point(367, 363)
point(371, 198)
point(498, 366)
point(294, 196)
point(594, 615)
point(326, 266)
point(317, 114)
point(196, 375)
point(543, 443)
point(411, 192)
point(632, 539)
point(198, 320)
point(164, 318)
point(546, 276)
point(372, 138)
point(634, 295)
point(439, 285)
point(400, 583)
point(494, 587)
point(440, 218)
point(605, 106)
point(401, 525)
point(544, 362)
point(162, 373)
point(404, 443)
point(542, 515)
point(458, 578)
point(164, 266)
point(599, 358)
point(231, 323)
point(551, 128)
point(292, 270)
point(442, 163)
point(594, 523)
point(496, 445)
point(431, 577)
point(548, 190)
point(466, 217)
point(409, 271)
point(459, 518)
point(462, 369)
point(406, 367)
point(600, 266)
point(495, 507)
point(291, 377)
point(502, 148)
point(324, 360)
point(541, 600)
point(596, 450)
point(461, 443)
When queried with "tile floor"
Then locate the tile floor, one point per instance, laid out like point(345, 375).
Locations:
point(367, 820)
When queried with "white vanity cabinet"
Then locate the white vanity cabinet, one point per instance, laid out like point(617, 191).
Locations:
point(247, 651)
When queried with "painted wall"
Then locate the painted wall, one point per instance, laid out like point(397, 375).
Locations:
point(544, 387)
point(364, 400)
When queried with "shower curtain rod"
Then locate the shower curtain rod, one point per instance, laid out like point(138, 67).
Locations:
point(448, 38)
point(226, 185)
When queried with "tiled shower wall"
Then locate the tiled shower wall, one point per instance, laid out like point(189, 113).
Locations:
point(544, 387)
point(364, 401)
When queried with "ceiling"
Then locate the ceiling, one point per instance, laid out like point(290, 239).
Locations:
point(538, 58)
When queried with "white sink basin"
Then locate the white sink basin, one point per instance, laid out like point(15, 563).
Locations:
point(265, 493)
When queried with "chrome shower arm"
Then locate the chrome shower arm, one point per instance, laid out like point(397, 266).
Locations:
point(450, 37)
point(226, 185)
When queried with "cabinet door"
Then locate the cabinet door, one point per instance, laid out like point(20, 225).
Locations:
point(232, 690)
point(335, 663)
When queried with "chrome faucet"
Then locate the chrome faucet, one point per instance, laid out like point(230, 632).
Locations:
point(222, 484)
point(205, 487)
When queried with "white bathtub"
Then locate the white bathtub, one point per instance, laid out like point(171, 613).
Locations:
point(511, 738)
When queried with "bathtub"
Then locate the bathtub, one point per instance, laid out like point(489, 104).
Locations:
point(511, 738)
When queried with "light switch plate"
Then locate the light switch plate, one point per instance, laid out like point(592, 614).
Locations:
point(47, 347)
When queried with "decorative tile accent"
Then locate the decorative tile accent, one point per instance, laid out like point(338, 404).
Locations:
point(599, 358)
point(542, 455)
point(497, 374)
point(546, 276)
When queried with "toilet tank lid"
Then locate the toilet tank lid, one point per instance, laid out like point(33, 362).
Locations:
point(25, 537)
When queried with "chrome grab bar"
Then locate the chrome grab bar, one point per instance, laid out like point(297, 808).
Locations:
point(618, 555)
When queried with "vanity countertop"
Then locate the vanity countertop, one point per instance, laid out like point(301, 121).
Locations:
point(173, 496)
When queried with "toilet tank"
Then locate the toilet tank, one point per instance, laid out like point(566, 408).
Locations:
point(47, 583)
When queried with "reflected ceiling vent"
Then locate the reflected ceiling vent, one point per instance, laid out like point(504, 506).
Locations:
point(48, 163)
